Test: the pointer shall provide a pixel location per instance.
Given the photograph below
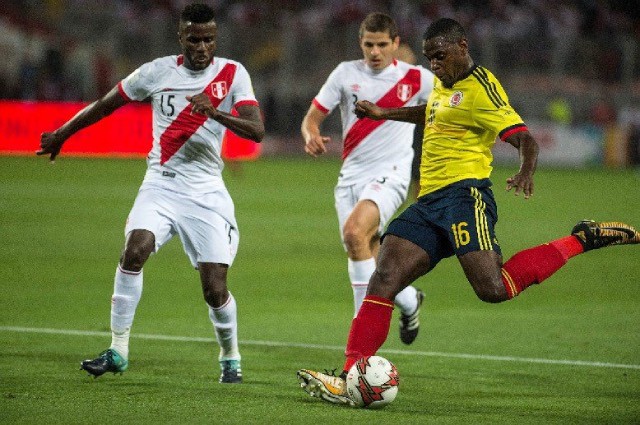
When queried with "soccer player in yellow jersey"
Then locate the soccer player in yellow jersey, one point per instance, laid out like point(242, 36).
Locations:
point(456, 213)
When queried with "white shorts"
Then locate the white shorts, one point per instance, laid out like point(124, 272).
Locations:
point(205, 223)
point(387, 192)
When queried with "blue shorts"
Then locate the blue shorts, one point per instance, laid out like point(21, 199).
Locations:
point(457, 219)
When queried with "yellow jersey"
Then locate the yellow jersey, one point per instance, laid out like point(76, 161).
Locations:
point(461, 126)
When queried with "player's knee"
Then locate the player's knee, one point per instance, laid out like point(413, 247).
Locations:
point(134, 257)
point(215, 295)
point(354, 238)
point(490, 291)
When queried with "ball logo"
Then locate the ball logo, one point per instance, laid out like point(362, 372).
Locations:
point(455, 99)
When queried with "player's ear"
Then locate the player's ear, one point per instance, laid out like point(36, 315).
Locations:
point(463, 44)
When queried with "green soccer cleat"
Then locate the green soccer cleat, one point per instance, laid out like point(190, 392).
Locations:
point(231, 372)
point(595, 235)
point(332, 389)
point(410, 323)
point(108, 361)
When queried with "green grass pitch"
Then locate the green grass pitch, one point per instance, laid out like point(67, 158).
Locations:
point(566, 351)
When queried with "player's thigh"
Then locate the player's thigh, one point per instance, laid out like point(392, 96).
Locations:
point(400, 262)
point(388, 194)
point(418, 224)
point(154, 211)
point(345, 198)
point(208, 230)
point(364, 220)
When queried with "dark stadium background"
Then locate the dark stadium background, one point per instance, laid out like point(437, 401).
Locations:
point(571, 68)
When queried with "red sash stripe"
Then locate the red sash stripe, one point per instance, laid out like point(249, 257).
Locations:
point(365, 126)
point(187, 123)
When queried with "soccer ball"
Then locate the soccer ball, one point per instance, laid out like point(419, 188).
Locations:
point(372, 382)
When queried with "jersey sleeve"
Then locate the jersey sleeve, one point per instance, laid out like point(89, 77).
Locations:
point(331, 92)
point(242, 90)
point(492, 111)
point(141, 83)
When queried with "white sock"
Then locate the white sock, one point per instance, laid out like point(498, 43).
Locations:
point(225, 324)
point(127, 289)
point(406, 300)
point(359, 273)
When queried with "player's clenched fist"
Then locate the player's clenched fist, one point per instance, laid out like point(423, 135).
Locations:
point(201, 104)
point(366, 109)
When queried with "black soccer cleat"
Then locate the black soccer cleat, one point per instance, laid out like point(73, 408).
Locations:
point(108, 361)
point(595, 235)
point(231, 373)
point(410, 323)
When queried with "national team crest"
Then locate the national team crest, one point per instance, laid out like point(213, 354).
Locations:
point(219, 89)
point(405, 91)
point(455, 99)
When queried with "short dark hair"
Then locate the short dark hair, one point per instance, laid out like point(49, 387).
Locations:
point(198, 13)
point(379, 22)
point(448, 28)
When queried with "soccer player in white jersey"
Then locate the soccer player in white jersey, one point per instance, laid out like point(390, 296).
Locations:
point(376, 172)
point(183, 192)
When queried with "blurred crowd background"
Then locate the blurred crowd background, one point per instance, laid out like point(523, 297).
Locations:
point(573, 63)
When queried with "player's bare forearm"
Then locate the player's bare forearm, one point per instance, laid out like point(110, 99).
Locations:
point(528, 149)
point(247, 125)
point(314, 141)
point(51, 142)
point(411, 114)
point(92, 113)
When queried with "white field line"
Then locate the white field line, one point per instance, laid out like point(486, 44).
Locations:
point(582, 363)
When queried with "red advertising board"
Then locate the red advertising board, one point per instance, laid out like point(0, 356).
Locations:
point(125, 133)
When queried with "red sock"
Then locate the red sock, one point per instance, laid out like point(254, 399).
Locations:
point(369, 329)
point(534, 265)
point(569, 246)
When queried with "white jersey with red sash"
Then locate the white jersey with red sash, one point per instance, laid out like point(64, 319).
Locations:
point(186, 152)
point(374, 147)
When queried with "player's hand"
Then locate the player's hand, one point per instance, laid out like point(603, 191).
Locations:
point(50, 144)
point(366, 109)
point(522, 183)
point(201, 104)
point(316, 145)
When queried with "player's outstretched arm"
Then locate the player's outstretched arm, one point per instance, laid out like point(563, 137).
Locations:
point(412, 114)
point(248, 124)
point(51, 142)
point(314, 142)
point(528, 149)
